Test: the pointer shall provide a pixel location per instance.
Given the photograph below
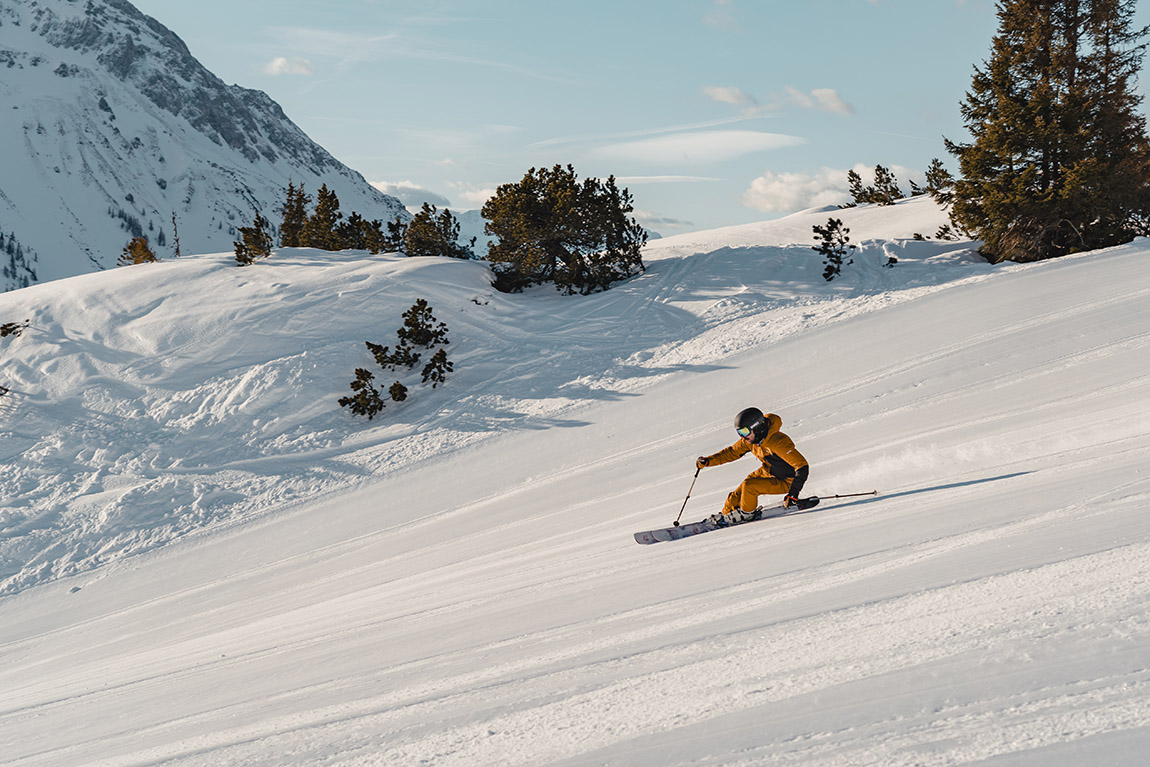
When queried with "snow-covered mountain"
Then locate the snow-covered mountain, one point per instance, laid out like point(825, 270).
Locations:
point(111, 129)
point(206, 561)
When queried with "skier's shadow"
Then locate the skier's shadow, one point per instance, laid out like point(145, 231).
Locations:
point(918, 491)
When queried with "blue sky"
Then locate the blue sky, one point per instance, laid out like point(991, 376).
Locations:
point(712, 112)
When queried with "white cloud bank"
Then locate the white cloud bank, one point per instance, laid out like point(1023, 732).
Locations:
point(788, 192)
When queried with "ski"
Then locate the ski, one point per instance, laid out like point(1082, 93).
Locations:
point(706, 526)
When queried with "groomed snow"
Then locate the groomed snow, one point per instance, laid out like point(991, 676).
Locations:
point(207, 562)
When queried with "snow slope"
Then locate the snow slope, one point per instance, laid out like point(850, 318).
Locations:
point(207, 562)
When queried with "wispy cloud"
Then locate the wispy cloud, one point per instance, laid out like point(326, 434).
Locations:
point(286, 66)
point(825, 99)
point(695, 147)
point(349, 48)
point(603, 137)
point(735, 97)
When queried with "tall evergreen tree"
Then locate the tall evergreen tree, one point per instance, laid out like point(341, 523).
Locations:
point(322, 227)
point(294, 213)
point(352, 233)
point(1059, 157)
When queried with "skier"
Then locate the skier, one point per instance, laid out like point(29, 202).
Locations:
point(784, 469)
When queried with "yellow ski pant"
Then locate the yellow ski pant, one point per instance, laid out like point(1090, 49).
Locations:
point(746, 495)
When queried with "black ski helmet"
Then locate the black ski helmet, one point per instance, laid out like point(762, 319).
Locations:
point(751, 421)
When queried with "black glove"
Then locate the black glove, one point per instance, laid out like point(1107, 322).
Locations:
point(797, 483)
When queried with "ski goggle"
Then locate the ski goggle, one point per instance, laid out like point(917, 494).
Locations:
point(744, 431)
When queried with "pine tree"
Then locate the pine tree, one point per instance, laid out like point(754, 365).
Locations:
point(294, 213)
point(254, 242)
point(1059, 160)
point(833, 245)
point(437, 369)
point(886, 189)
point(14, 329)
point(175, 236)
point(352, 233)
point(884, 192)
point(374, 240)
point(858, 193)
point(398, 392)
point(939, 182)
point(434, 233)
point(322, 227)
point(393, 240)
point(365, 399)
point(137, 251)
point(551, 228)
point(420, 328)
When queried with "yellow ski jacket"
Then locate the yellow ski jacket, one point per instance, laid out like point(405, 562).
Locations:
point(778, 453)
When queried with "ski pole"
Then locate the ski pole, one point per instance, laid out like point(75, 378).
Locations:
point(850, 495)
point(697, 470)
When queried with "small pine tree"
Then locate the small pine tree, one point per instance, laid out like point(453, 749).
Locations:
point(175, 236)
point(137, 251)
point(14, 328)
point(398, 392)
point(294, 212)
point(834, 244)
point(437, 369)
point(945, 232)
point(365, 400)
point(886, 189)
point(254, 242)
point(939, 182)
point(855, 186)
point(403, 356)
point(419, 326)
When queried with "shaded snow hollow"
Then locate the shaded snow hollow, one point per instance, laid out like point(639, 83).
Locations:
point(208, 562)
